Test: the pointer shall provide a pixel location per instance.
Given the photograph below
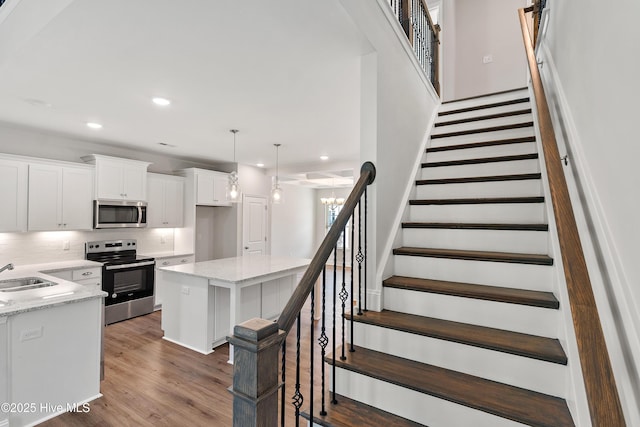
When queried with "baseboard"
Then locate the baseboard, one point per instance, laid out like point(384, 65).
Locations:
point(621, 323)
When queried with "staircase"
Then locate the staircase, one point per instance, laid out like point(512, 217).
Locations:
point(468, 334)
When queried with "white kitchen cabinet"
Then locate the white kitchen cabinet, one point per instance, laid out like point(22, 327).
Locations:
point(4, 369)
point(88, 276)
point(119, 179)
point(211, 188)
point(165, 200)
point(54, 358)
point(60, 197)
point(13, 193)
point(166, 262)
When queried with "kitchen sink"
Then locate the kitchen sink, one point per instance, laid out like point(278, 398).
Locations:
point(24, 284)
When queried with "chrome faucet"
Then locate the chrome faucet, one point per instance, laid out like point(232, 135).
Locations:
point(6, 267)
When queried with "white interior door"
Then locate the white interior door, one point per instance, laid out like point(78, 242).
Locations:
point(254, 225)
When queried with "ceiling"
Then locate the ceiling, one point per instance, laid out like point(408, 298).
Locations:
point(280, 71)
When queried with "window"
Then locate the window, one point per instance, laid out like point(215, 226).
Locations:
point(331, 214)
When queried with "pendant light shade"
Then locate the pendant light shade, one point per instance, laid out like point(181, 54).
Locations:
point(276, 191)
point(234, 195)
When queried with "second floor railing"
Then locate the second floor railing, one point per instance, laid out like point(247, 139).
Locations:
point(423, 35)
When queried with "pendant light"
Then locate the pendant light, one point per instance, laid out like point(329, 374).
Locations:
point(276, 191)
point(234, 194)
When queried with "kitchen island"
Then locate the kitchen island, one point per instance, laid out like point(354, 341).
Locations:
point(202, 301)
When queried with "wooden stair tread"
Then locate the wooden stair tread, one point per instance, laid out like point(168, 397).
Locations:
point(348, 412)
point(469, 290)
point(508, 257)
point(496, 159)
point(477, 201)
point(514, 403)
point(486, 95)
point(493, 178)
point(482, 144)
point(484, 130)
point(484, 106)
point(486, 117)
point(525, 345)
point(476, 226)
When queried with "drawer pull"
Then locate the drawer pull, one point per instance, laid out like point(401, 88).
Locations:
point(183, 260)
point(87, 273)
point(166, 263)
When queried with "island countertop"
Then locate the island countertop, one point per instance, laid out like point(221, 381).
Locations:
point(240, 270)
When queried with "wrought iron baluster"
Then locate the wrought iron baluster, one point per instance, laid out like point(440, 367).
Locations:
point(335, 292)
point(343, 292)
point(353, 222)
point(284, 370)
point(297, 398)
point(323, 340)
point(366, 262)
point(359, 258)
point(311, 344)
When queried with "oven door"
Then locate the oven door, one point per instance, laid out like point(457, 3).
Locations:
point(126, 282)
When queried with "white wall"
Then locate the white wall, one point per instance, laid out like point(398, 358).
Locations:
point(488, 27)
point(292, 223)
point(397, 106)
point(591, 75)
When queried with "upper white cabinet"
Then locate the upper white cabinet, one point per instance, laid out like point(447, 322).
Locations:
point(165, 200)
point(60, 197)
point(119, 179)
point(13, 193)
point(211, 188)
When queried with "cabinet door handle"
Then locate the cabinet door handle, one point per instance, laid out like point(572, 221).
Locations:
point(88, 273)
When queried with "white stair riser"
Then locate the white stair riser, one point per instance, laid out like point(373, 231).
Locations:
point(484, 112)
point(521, 276)
point(533, 242)
point(500, 121)
point(491, 314)
point(508, 213)
point(481, 137)
point(482, 152)
point(456, 105)
point(416, 406)
point(518, 371)
point(481, 169)
point(519, 188)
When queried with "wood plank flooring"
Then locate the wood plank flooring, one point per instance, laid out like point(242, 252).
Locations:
point(152, 382)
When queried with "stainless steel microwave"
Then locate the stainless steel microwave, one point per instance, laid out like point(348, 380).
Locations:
point(119, 214)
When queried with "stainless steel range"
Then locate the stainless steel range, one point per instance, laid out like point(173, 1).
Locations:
point(126, 277)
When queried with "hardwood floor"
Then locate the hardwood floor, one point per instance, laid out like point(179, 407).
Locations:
point(152, 382)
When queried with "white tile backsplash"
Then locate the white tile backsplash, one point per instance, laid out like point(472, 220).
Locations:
point(47, 246)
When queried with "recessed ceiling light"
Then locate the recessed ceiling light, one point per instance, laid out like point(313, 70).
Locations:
point(163, 102)
point(324, 157)
point(260, 165)
point(94, 125)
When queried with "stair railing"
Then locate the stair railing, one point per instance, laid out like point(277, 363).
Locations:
point(600, 385)
point(423, 35)
point(260, 348)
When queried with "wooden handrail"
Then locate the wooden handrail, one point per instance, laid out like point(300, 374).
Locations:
point(600, 385)
point(294, 305)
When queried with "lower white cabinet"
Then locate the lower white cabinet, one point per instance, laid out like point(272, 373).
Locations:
point(88, 276)
point(167, 262)
point(4, 369)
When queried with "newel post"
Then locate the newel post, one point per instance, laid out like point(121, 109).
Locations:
point(256, 344)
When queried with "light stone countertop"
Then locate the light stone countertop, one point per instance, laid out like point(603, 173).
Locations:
point(64, 292)
point(240, 269)
point(166, 254)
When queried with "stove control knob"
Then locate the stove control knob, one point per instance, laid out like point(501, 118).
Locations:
point(114, 296)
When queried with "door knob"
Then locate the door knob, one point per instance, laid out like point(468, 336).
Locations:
point(246, 247)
